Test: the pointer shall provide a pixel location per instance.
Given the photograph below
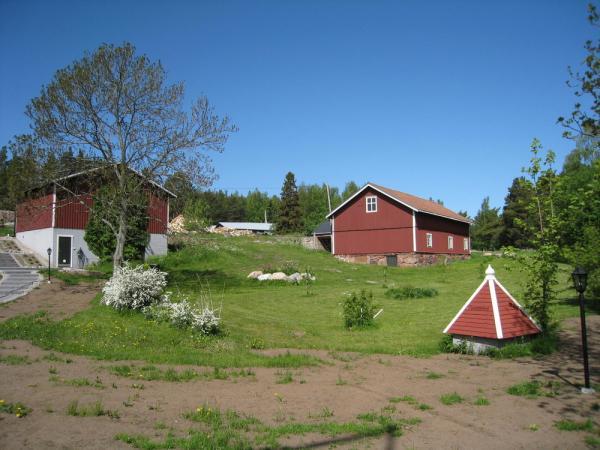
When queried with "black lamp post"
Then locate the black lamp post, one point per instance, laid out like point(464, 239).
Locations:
point(49, 251)
point(580, 282)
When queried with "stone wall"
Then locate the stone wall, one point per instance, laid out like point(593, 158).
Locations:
point(404, 259)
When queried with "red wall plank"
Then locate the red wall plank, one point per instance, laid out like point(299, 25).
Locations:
point(158, 215)
point(34, 214)
point(440, 228)
point(389, 230)
point(73, 212)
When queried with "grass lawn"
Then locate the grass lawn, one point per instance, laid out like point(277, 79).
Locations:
point(4, 230)
point(278, 314)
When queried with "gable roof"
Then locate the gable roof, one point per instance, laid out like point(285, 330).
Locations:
point(413, 202)
point(95, 169)
point(492, 313)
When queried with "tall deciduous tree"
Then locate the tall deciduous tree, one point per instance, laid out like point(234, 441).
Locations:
point(290, 214)
point(350, 189)
point(587, 87)
point(118, 106)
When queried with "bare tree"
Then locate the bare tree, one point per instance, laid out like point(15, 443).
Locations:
point(118, 106)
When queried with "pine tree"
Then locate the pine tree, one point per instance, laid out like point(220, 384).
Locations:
point(290, 215)
point(486, 228)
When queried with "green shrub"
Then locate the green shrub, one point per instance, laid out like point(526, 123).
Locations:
point(410, 292)
point(359, 310)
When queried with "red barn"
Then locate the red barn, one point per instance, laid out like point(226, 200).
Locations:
point(55, 216)
point(490, 318)
point(379, 225)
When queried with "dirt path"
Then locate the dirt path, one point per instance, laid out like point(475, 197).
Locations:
point(348, 386)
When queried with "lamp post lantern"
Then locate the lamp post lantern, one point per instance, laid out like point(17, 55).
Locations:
point(49, 251)
point(580, 281)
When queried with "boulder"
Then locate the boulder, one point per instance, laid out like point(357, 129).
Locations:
point(279, 276)
point(295, 278)
point(255, 274)
point(264, 277)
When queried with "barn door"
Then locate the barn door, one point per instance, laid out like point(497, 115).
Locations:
point(64, 251)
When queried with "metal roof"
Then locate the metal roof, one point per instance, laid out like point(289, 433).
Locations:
point(254, 226)
point(324, 228)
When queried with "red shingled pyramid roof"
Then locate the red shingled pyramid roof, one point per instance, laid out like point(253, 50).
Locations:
point(493, 313)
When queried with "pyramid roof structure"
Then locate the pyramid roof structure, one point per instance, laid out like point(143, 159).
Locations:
point(492, 313)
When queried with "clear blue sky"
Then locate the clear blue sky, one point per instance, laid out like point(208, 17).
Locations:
point(437, 98)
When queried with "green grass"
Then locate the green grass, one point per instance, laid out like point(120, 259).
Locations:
point(18, 408)
point(481, 401)
point(572, 425)
point(410, 292)
point(78, 382)
point(95, 409)
point(4, 230)
point(256, 315)
point(434, 376)
point(14, 360)
point(592, 441)
point(97, 272)
point(231, 430)
point(534, 389)
point(451, 399)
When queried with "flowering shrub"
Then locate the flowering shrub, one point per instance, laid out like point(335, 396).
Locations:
point(183, 314)
point(134, 288)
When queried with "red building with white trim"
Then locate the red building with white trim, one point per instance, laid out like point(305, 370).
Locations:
point(55, 216)
point(490, 318)
point(379, 225)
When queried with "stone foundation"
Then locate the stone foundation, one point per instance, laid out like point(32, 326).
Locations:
point(479, 345)
point(403, 259)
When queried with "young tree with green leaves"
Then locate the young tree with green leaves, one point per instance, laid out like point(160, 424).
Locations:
point(290, 214)
point(118, 107)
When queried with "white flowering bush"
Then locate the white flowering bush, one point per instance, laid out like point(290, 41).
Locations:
point(184, 314)
point(134, 287)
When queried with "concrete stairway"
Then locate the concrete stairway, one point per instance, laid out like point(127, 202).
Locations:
point(16, 280)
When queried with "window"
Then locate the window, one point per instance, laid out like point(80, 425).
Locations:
point(371, 204)
point(450, 242)
point(429, 240)
point(465, 244)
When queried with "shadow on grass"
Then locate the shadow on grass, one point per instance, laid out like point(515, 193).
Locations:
point(212, 277)
point(591, 305)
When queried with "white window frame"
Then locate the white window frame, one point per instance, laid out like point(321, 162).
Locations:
point(450, 242)
point(465, 243)
point(373, 203)
point(429, 240)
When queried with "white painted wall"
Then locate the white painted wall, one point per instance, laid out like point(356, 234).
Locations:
point(37, 241)
point(77, 243)
point(157, 245)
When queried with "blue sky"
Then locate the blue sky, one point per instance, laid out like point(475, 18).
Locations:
point(433, 98)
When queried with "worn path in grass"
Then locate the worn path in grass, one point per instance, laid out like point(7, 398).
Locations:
point(349, 385)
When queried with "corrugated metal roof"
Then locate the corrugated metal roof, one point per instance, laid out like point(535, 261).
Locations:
point(253, 226)
point(324, 228)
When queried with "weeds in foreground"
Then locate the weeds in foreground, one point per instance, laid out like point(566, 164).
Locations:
point(434, 376)
point(18, 408)
point(152, 373)
point(481, 401)
point(231, 430)
point(572, 425)
point(592, 441)
point(340, 381)
point(534, 389)
point(77, 382)
point(284, 377)
point(451, 399)
point(95, 409)
point(323, 414)
point(14, 360)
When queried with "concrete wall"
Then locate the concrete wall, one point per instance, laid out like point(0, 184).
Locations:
point(36, 241)
point(157, 245)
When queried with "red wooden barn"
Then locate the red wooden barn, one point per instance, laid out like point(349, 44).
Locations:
point(55, 216)
point(490, 318)
point(379, 225)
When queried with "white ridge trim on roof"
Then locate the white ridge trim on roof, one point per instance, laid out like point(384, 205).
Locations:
point(396, 200)
point(465, 306)
point(518, 304)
